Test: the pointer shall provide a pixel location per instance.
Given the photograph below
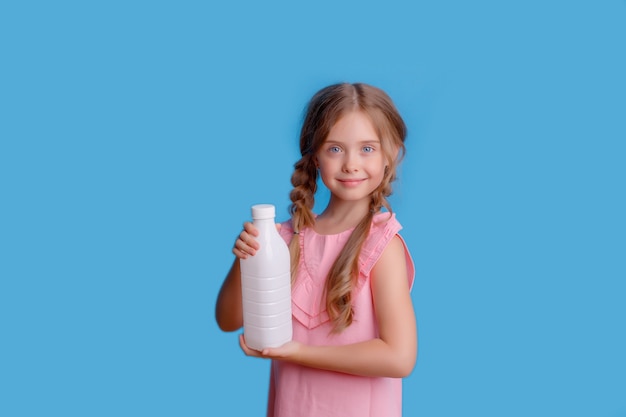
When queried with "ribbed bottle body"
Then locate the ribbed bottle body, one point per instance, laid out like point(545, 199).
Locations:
point(266, 285)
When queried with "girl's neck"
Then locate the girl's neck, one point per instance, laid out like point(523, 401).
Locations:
point(340, 216)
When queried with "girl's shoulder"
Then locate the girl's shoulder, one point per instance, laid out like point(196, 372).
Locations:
point(385, 227)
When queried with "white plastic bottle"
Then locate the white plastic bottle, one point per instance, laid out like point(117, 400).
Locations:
point(266, 285)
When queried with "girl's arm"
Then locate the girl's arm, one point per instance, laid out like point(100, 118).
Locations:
point(393, 353)
point(228, 309)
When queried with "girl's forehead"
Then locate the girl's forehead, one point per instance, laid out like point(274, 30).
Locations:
point(353, 124)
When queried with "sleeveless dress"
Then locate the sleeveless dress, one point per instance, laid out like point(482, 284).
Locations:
point(299, 391)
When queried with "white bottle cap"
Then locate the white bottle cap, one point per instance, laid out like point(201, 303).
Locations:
point(263, 211)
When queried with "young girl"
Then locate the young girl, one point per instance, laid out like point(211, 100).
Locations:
point(354, 331)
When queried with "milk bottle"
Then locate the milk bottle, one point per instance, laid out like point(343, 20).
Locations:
point(266, 285)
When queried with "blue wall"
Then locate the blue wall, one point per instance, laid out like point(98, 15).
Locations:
point(134, 136)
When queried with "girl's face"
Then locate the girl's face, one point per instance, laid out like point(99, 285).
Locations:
point(351, 161)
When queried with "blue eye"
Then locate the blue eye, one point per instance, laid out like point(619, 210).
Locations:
point(368, 149)
point(334, 149)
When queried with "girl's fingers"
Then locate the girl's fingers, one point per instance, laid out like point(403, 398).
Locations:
point(248, 235)
point(246, 349)
point(239, 254)
point(246, 245)
point(242, 250)
point(250, 229)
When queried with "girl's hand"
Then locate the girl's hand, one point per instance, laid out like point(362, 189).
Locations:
point(284, 352)
point(246, 244)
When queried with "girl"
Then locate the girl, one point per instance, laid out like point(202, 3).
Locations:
point(354, 331)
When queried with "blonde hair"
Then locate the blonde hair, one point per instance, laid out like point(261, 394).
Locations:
point(324, 110)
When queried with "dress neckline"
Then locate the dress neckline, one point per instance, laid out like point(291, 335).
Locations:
point(349, 230)
point(331, 234)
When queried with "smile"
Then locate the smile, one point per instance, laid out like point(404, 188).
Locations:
point(351, 182)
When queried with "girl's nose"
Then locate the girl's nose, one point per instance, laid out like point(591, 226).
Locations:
point(350, 163)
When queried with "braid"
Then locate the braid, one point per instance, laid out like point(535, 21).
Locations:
point(344, 273)
point(304, 181)
point(384, 190)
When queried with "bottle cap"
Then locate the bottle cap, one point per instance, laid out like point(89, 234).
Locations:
point(263, 211)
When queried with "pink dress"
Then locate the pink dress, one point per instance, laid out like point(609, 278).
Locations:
point(299, 391)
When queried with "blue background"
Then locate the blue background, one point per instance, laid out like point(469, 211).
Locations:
point(135, 136)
